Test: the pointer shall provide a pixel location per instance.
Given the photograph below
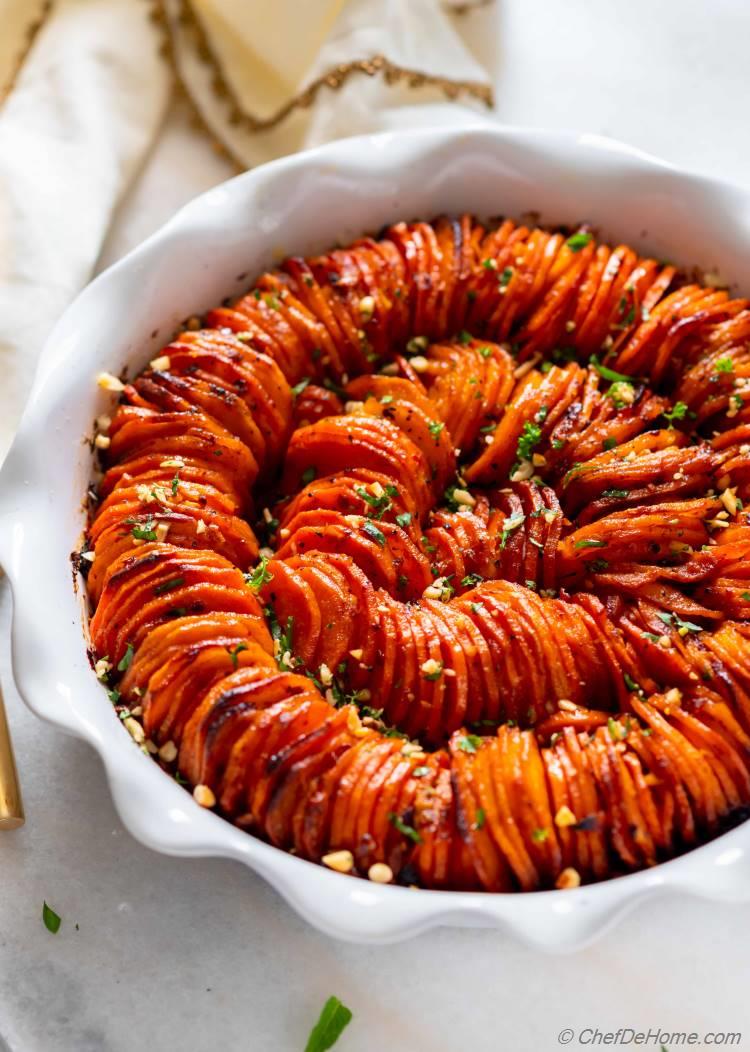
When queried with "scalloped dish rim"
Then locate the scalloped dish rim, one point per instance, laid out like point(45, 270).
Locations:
point(187, 264)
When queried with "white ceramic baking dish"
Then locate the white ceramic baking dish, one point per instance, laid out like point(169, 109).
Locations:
point(208, 251)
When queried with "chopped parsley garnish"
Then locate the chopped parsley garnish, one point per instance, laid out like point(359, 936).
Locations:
point(724, 365)
point(333, 1020)
point(578, 241)
point(169, 586)
point(435, 428)
point(609, 443)
point(479, 818)
point(505, 277)
point(378, 504)
point(485, 352)
point(677, 412)
point(299, 388)
point(464, 338)
point(374, 533)
point(175, 483)
point(403, 520)
point(609, 374)
point(631, 684)
point(308, 475)
point(586, 543)
point(52, 920)
point(114, 696)
point(683, 627)
point(469, 743)
point(282, 638)
point(616, 732)
point(529, 437)
point(539, 835)
point(404, 827)
point(261, 575)
point(745, 596)
point(510, 524)
point(235, 652)
point(125, 661)
point(145, 531)
point(615, 494)
point(471, 580)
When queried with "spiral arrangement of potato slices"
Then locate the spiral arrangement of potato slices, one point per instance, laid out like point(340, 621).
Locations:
point(427, 558)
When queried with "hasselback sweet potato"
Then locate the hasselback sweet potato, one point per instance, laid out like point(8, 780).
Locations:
point(428, 557)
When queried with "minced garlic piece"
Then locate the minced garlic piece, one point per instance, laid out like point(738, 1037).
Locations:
point(109, 382)
point(431, 667)
point(102, 441)
point(160, 364)
point(523, 472)
point(729, 500)
point(439, 589)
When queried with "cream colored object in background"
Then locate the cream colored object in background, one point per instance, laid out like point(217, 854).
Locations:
point(88, 101)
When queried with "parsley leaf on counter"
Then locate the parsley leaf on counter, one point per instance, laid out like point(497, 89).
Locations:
point(334, 1018)
point(51, 920)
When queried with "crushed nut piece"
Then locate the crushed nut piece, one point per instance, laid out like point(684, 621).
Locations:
point(168, 752)
point(204, 796)
point(565, 817)
point(341, 861)
point(380, 873)
point(569, 878)
point(134, 729)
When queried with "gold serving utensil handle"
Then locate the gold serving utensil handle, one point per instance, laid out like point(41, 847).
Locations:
point(11, 805)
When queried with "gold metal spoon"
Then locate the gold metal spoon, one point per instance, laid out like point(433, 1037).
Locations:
point(11, 804)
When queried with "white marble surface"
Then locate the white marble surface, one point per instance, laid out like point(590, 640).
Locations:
point(199, 955)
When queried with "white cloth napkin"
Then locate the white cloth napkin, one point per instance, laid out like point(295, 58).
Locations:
point(88, 82)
